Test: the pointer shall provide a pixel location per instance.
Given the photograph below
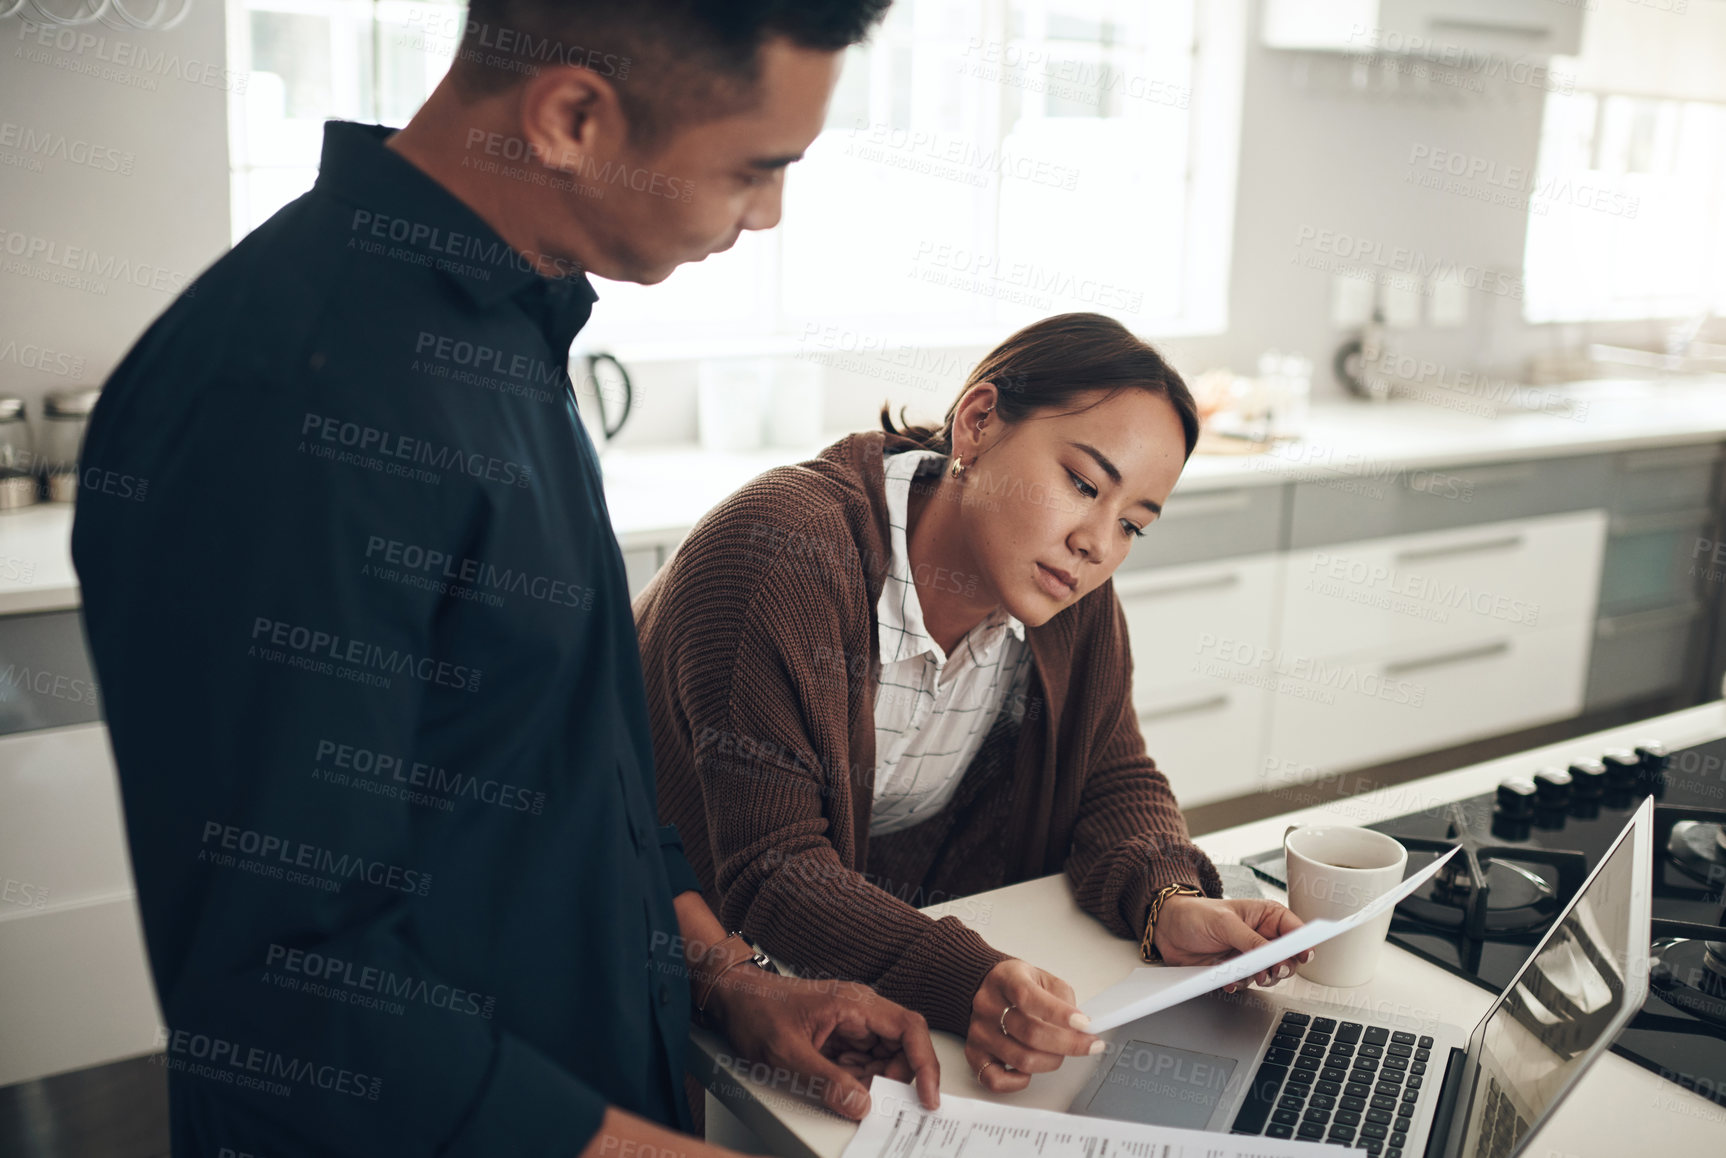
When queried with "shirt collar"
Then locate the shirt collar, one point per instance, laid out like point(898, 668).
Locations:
point(899, 607)
point(398, 204)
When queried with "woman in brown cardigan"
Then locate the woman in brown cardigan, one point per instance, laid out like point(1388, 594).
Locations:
point(898, 673)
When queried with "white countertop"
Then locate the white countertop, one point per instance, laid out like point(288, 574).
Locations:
point(1618, 1108)
point(657, 494)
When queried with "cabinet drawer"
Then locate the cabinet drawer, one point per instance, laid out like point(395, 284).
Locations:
point(1335, 715)
point(1655, 559)
point(1206, 525)
point(1177, 615)
point(1643, 654)
point(639, 566)
point(62, 828)
point(1476, 583)
point(1374, 503)
point(1672, 478)
point(1207, 736)
point(46, 680)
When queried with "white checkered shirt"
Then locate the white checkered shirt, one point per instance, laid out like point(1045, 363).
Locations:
point(932, 711)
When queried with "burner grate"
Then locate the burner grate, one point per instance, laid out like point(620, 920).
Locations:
point(1461, 898)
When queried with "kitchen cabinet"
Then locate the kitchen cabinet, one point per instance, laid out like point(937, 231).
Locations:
point(1196, 526)
point(644, 556)
point(1384, 499)
point(1198, 633)
point(1331, 714)
point(1657, 578)
point(1459, 31)
point(1404, 644)
point(69, 930)
point(1507, 593)
point(1207, 737)
point(639, 566)
point(1478, 582)
point(46, 680)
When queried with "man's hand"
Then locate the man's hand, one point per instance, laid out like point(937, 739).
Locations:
point(1043, 1026)
point(840, 1032)
point(1205, 931)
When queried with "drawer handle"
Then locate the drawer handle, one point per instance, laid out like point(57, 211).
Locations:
point(1502, 543)
point(1530, 31)
point(1672, 459)
point(1214, 503)
point(1614, 625)
point(1497, 476)
point(1449, 657)
point(1658, 521)
point(1141, 585)
point(1209, 704)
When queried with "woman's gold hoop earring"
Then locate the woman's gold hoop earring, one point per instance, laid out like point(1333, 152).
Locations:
point(958, 467)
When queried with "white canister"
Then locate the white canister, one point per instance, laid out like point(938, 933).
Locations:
point(732, 400)
point(794, 415)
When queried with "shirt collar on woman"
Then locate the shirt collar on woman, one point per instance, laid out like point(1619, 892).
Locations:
point(900, 612)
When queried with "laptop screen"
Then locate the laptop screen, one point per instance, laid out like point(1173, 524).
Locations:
point(1586, 978)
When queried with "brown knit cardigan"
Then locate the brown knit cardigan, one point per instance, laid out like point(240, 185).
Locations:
point(758, 647)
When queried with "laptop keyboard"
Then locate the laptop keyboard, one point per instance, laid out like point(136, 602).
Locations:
point(1352, 1084)
point(1501, 1127)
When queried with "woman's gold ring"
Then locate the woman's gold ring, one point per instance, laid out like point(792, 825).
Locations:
point(983, 1067)
point(1004, 1014)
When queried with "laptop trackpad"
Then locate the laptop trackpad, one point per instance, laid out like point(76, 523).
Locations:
point(1160, 1085)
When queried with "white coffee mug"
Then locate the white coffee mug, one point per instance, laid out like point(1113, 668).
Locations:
point(1334, 871)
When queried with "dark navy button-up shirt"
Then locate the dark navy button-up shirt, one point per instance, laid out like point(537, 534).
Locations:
point(374, 694)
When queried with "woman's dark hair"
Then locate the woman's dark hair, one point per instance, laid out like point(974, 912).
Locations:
point(1048, 364)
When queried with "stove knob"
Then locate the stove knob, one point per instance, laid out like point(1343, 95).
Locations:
point(1516, 797)
point(1588, 777)
point(1621, 769)
point(1655, 758)
point(1552, 787)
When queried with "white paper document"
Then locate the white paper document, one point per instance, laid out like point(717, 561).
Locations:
point(1152, 988)
point(897, 1126)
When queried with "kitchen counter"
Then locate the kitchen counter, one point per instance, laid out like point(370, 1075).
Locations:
point(1618, 1108)
point(659, 493)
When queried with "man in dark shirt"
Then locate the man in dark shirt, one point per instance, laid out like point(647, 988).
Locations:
point(370, 671)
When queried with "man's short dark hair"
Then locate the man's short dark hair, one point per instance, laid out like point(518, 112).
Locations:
point(673, 62)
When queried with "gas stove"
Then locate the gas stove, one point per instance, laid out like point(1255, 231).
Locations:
point(1527, 848)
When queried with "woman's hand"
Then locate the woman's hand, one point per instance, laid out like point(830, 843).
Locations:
point(838, 1034)
point(1204, 931)
point(1042, 1026)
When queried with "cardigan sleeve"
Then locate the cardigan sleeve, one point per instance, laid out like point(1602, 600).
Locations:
point(1129, 837)
point(770, 702)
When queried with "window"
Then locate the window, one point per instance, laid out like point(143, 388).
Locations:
point(982, 165)
point(1628, 209)
point(1628, 201)
point(310, 60)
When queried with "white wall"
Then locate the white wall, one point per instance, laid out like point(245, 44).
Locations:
point(113, 172)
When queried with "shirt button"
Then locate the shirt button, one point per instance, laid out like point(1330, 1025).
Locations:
point(664, 995)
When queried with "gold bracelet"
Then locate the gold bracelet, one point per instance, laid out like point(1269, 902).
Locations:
point(1154, 910)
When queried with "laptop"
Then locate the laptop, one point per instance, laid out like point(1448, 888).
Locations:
point(1382, 1077)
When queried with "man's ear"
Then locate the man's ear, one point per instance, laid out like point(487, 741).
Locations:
point(569, 115)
